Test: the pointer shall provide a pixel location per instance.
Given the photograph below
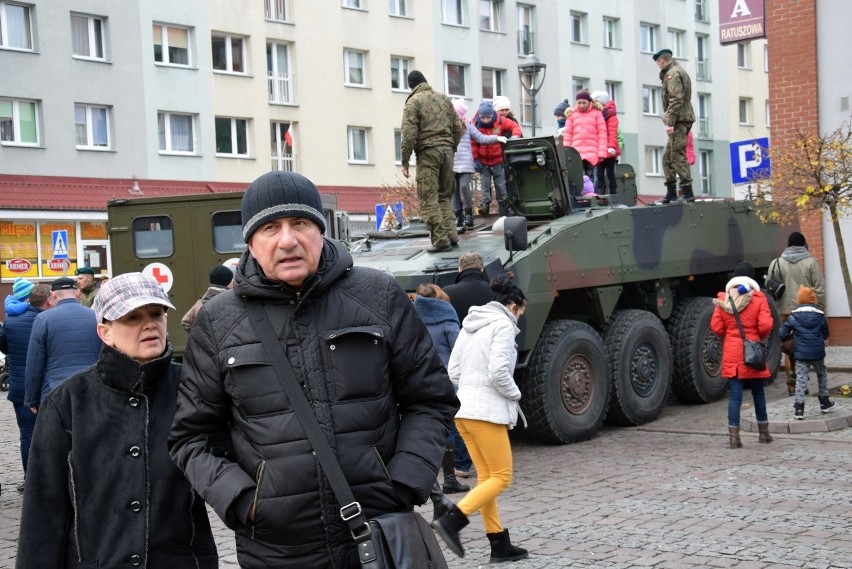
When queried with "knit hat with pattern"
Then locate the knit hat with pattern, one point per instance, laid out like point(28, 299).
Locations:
point(21, 288)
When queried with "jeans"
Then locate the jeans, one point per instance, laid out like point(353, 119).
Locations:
point(461, 195)
point(26, 423)
point(735, 400)
point(496, 173)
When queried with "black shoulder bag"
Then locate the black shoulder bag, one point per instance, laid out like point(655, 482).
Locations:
point(755, 354)
point(397, 540)
point(775, 287)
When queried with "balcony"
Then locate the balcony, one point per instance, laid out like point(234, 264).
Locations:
point(284, 163)
point(280, 88)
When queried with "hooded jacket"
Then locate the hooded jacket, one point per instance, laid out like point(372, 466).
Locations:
point(483, 364)
point(378, 389)
point(586, 132)
point(14, 339)
point(441, 321)
point(610, 116)
point(492, 154)
point(757, 324)
point(810, 329)
point(463, 159)
point(796, 266)
point(101, 488)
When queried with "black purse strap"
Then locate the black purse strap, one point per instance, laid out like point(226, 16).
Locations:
point(737, 317)
point(350, 510)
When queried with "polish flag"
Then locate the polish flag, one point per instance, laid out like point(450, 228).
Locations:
point(288, 138)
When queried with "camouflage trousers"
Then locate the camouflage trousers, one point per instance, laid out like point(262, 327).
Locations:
point(674, 157)
point(435, 185)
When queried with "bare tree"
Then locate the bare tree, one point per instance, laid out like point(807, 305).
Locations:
point(811, 175)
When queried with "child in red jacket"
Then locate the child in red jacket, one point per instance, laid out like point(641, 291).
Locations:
point(605, 170)
point(488, 159)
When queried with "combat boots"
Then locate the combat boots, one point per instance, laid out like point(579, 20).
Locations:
point(451, 484)
point(763, 429)
point(468, 217)
point(671, 195)
point(734, 437)
point(502, 549)
point(688, 197)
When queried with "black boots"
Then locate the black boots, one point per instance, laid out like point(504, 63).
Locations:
point(671, 194)
point(734, 437)
point(459, 218)
point(502, 549)
point(826, 405)
point(688, 197)
point(503, 208)
point(451, 484)
point(468, 217)
point(799, 411)
point(440, 503)
point(763, 429)
point(448, 527)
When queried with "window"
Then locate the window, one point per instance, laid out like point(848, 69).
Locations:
point(653, 160)
point(15, 26)
point(228, 232)
point(492, 82)
point(18, 122)
point(766, 111)
point(153, 236)
point(745, 111)
point(579, 83)
point(276, 10)
point(358, 153)
point(489, 15)
point(526, 29)
point(87, 36)
point(397, 149)
point(278, 73)
point(282, 146)
point(648, 38)
point(705, 170)
point(355, 4)
point(176, 133)
point(701, 11)
point(526, 109)
point(612, 32)
point(578, 27)
point(231, 137)
point(613, 89)
point(704, 130)
point(354, 68)
point(651, 100)
point(766, 58)
point(91, 127)
point(743, 56)
point(398, 8)
point(171, 45)
point(702, 63)
point(229, 53)
point(676, 43)
point(453, 12)
point(399, 73)
point(454, 79)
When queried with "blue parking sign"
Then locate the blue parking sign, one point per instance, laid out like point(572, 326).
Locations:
point(749, 160)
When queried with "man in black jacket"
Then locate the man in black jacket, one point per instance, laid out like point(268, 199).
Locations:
point(368, 368)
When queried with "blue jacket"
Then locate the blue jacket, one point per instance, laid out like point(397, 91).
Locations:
point(810, 328)
point(441, 321)
point(14, 339)
point(64, 340)
point(463, 159)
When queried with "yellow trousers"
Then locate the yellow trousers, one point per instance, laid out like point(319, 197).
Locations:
point(489, 447)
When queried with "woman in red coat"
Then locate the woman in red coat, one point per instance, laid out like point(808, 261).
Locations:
point(757, 323)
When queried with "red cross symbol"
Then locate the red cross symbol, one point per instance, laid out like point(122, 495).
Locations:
point(161, 278)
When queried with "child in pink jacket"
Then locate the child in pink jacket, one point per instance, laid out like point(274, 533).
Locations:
point(585, 132)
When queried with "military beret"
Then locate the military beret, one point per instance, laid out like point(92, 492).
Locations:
point(85, 271)
point(662, 52)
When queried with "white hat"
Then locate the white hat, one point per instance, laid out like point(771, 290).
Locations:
point(601, 97)
point(501, 103)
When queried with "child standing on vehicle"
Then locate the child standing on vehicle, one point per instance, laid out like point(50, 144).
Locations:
point(605, 170)
point(488, 159)
point(585, 131)
point(809, 327)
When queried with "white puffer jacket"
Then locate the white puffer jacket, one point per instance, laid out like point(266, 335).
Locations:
point(482, 364)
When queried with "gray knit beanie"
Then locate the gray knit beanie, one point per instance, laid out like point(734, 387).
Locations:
point(280, 194)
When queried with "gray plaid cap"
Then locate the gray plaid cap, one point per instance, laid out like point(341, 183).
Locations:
point(125, 293)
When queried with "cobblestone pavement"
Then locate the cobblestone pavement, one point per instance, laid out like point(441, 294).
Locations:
point(669, 494)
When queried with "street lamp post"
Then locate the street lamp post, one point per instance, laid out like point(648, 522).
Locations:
point(528, 73)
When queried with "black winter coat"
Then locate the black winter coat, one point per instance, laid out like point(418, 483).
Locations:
point(101, 488)
point(470, 289)
point(377, 386)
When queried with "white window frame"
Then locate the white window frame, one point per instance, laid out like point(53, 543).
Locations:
point(701, 11)
point(229, 40)
point(743, 56)
point(705, 170)
point(613, 89)
point(348, 67)
point(703, 108)
point(526, 109)
point(16, 122)
point(352, 133)
point(497, 79)
point(5, 36)
point(744, 113)
point(351, 4)
point(526, 37)
point(164, 34)
point(463, 74)
point(398, 8)
point(234, 131)
point(280, 83)
point(168, 146)
point(677, 43)
point(277, 10)
point(579, 83)
point(95, 26)
point(766, 58)
point(454, 12)
point(578, 28)
point(648, 37)
point(397, 149)
point(654, 160)
point(653, 96)
point(702, 61)
point(489, 14)
point(89, 125)
point(612, 32)
point(281, 160)
point(401, 66)
point(766, 112)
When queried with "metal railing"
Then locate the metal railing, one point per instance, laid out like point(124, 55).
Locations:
point(284, 163)
point(526, 42)
point(702, 70)
point(280, 88)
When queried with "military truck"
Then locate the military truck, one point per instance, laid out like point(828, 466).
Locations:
point(619, 294)
point(178, 239)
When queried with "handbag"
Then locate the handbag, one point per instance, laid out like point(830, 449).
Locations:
point(755, 353)
point(774, 287)
point(397, 540)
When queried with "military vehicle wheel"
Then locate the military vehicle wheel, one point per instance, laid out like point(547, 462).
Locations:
point(697, 352)
point(640, 365)
point(565, 389)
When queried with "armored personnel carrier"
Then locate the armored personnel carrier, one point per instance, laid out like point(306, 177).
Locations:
point(620, 295)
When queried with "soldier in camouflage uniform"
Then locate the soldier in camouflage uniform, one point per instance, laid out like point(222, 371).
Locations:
point(678, 117)
point(86, 285)
point(431, 129)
